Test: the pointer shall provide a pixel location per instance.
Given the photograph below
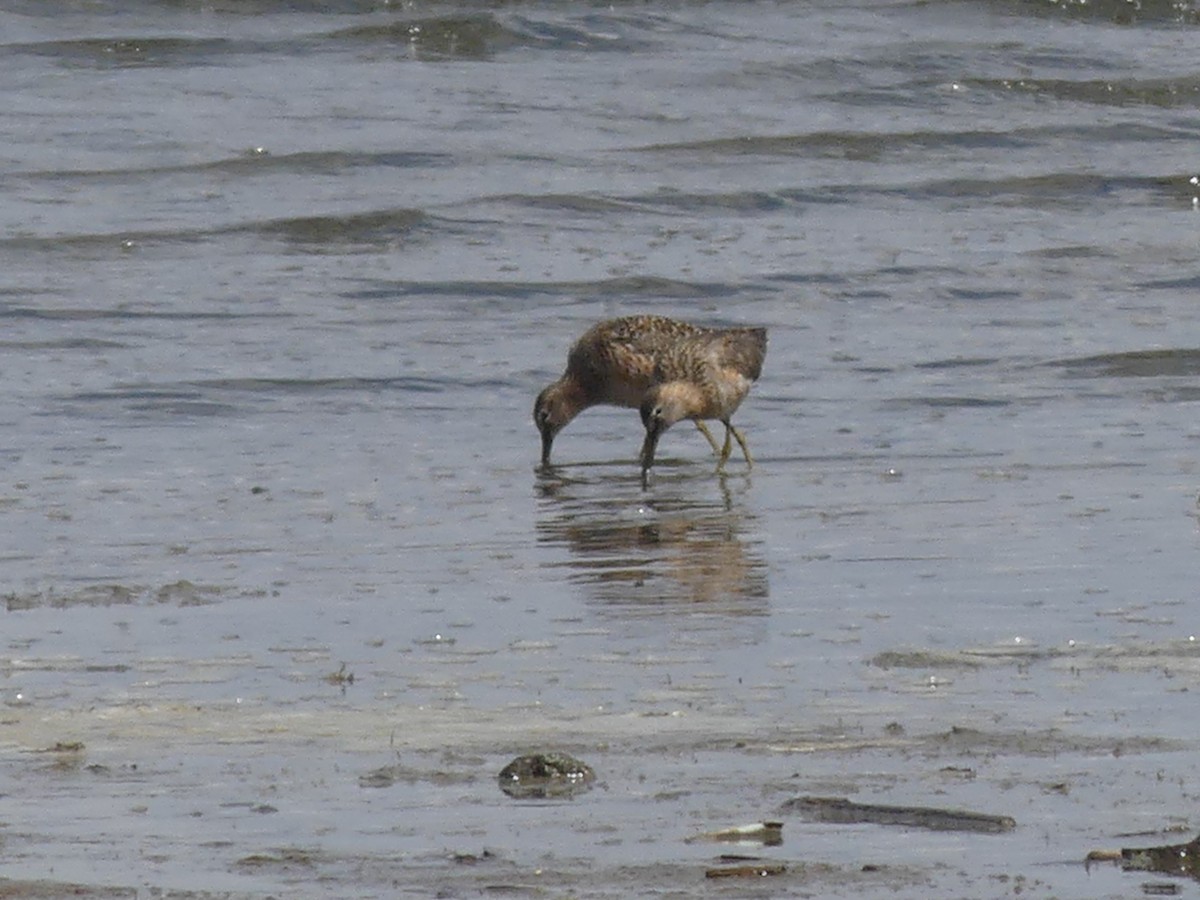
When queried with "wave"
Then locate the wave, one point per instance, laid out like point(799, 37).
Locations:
point(1165, 93)
point(361, 231)
point(1120, 12)
point(629, 287)
point(877, 146)
point(1051, 189)
point(254, 162)
point(124, 52)
point(1155, 363)
point(471, 36)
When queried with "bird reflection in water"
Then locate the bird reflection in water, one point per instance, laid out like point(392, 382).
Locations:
point(675, 548)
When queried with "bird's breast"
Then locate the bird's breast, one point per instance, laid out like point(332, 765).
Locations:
point(729, 390)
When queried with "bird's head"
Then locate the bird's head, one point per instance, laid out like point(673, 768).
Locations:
point(663, 406)
point(555, 406)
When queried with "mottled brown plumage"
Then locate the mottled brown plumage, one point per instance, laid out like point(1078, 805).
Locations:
point(703, 376)
point(613, 363)
point(619, 361)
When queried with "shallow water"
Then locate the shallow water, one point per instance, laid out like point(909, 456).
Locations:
point(279, 283)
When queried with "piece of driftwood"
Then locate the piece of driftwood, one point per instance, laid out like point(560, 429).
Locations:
point(840, 811)
point(768, 833)
point(758, 870)
point(1169, 859)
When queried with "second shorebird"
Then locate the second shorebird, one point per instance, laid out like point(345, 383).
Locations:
point(704, 375)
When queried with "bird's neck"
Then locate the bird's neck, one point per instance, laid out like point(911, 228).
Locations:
point(574, 397)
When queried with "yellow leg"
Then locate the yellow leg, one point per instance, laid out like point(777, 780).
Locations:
point(725, 449)
point(712, 442)
point(741, 439)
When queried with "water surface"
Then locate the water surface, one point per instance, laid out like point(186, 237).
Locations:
point(279, 284)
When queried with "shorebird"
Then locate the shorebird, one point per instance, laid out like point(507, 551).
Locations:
point(627, 361)
point(705, 375)
point(613, 363)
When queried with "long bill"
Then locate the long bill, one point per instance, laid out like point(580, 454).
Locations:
point(648, 448)
point(547, 441)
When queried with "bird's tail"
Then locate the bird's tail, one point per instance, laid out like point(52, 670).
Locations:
point(748, 346)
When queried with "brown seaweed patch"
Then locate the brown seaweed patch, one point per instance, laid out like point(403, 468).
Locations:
point(92, 595)
point(65, 756)
point(62, 747)
point(1180, 654)
point(285, 858)
point(1046, 742)
point(179, 593)
point(43, 889)
point(184, 593)
point(340, 678)
point(397, 772)
point(924, 659)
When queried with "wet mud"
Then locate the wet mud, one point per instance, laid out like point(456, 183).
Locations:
point(220, 787)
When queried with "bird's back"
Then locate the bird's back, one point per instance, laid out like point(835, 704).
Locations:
point(744, 350)
point(720, 363)
point(698, 356)
point(618, 360)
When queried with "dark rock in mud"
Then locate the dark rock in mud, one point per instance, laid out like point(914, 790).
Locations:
point(541, 775)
